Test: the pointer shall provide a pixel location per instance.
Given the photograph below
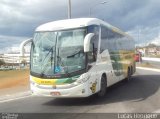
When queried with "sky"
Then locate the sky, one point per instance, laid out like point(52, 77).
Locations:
point(19, 18)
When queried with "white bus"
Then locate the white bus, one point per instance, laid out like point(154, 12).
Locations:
point(79, 57)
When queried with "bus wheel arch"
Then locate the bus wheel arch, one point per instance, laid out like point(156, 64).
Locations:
point(103, 85)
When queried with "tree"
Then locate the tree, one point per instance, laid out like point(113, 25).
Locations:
point(2, 62)
point(24, 62)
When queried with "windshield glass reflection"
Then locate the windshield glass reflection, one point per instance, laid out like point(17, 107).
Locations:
point(58, 52)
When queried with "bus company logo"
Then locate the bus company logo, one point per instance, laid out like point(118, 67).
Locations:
point(103, 58)
point(93, 87)
point(46, 82)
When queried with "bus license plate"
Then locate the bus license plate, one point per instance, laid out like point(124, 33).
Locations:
point(55, 93)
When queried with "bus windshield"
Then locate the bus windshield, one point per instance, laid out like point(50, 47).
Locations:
point(58, 52)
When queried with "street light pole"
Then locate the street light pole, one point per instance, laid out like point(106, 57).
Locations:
point(69, 9)
point(139, 31)
point(90, 9)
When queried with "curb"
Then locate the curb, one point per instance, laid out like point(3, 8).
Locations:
point(150, 69)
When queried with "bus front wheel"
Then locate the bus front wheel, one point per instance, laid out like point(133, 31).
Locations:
point(103, 87)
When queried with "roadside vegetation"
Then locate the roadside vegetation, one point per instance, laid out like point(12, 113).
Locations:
point(2, 62)
point(14, 78)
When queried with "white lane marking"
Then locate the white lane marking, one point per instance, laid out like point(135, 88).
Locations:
point(150, 69)
point(151, 59)
point(7, 98)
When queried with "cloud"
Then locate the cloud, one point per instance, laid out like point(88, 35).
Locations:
point(15, 49)
point(155, 41)
point(144, 35)
point(21, 17)
point(10, 43)
point(128, 14)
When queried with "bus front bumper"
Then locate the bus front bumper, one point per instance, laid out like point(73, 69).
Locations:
point(80, 90)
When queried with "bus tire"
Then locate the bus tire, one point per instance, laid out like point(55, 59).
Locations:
point(131, 70)
point(129, 73)
point(103, 88)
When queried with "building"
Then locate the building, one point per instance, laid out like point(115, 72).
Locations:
point(15, 58)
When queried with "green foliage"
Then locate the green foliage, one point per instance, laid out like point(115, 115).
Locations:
point(2, 62)
point(24, 62)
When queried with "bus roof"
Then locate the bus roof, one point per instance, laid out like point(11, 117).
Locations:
point(75, 23)
point(67, 24)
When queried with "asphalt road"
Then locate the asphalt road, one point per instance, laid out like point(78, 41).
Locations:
point(141, 94)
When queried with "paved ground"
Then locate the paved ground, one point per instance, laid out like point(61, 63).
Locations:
point(141, 94)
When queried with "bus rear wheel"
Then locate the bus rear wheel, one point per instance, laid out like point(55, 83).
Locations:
point(103, 88)
point(129, 73)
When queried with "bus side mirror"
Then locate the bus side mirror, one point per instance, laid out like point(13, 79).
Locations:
point(23, 44)
point(87, 41)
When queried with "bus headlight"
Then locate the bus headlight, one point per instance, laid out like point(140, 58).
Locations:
point(82, 79)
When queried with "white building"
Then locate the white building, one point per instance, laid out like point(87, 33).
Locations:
point(15, 58)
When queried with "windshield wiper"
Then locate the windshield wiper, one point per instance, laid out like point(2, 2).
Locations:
point(75, 53)
point(44, 67)
point(50, 50)
point(62, 64)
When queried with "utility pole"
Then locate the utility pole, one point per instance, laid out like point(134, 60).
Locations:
point(140, 55)
point(69, 9)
